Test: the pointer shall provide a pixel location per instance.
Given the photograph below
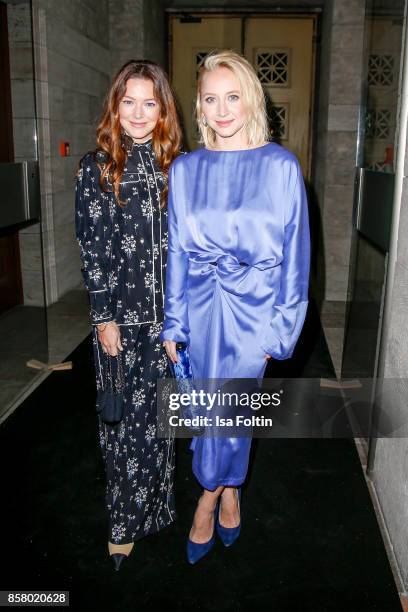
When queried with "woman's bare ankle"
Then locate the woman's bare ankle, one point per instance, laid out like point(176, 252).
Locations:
point(229, 509)
point(120, 548)
point(209, 499)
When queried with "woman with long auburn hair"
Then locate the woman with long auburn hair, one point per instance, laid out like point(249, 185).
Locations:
point(121, 228)
point(238, 269)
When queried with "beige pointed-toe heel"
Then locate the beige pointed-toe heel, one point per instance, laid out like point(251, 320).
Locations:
point(118, 552)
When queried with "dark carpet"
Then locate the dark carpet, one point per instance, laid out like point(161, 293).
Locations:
point(310, 538)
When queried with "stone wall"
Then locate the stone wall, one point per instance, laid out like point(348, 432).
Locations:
point(24, 140)
point(72, 76)
point(137, 30)
point(126, 32)
point(341, 69)
point(339, 86)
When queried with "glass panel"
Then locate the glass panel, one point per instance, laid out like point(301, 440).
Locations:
point(23, 329)
point(375, 154)
point(383, 38)
point(364, 310)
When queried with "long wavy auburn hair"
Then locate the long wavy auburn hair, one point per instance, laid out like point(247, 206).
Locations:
point(111, 140)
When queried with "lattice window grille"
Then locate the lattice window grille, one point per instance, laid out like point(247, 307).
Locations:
point(199, 59)
point(377, 166)
point(380, 70)
point(279, 119)
point(378, 123)
point(272, 67)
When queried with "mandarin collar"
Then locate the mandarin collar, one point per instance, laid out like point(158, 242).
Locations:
point(130, 145)
point(142, 145)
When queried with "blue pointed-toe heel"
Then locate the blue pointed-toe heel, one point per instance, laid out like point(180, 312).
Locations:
point(196, 551)
point(228, 535)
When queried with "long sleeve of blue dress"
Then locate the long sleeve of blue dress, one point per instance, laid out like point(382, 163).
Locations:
point(289, 309)
point(177, 327)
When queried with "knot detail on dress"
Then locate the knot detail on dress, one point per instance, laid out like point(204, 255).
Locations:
point(231, 273)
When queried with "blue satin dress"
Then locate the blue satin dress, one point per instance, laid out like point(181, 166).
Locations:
point(247, 211)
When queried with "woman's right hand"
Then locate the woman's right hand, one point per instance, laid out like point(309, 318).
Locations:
point(109, 337)
point(170, 347)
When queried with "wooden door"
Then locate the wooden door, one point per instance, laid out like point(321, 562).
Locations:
point(280, 49)
point(191, 42)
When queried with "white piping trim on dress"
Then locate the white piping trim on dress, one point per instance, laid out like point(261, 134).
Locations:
point(170, 451)
point(170, 447)
point(140, 323)
point(99, 361)
point(151, 211)
point(160, 232)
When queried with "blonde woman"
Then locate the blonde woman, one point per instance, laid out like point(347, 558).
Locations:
point(238, 268)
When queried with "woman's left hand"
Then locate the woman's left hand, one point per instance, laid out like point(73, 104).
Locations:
point(267, 357)
point(170, 347)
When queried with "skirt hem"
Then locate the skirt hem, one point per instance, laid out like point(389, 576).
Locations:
point(225, 483)
point(154, 529)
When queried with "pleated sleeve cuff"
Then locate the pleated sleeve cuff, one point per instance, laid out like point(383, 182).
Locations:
point(174, 331)
point(284, 331)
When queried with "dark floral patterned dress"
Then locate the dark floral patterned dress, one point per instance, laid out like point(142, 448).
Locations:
point(124, 253)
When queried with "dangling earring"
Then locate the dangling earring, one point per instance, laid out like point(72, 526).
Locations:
point(204, 121)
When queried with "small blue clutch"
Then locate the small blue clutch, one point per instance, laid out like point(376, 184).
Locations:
point(182, 369)
point(184, 376)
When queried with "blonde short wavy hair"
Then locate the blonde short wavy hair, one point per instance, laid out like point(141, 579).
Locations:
point(256, 126)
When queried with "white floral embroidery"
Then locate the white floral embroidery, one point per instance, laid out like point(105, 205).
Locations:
point(95, 210)
point(138, 398)
point(131, 316)
point(131, 466)
point(140, 495)
point(128, 244)
point(118, 531)
point(148, 279)
point(112, 208)
point(95, 274)
point(112, 280)
point(130, 358)
point(162, 364)
point(150, 433)
point(159, 458)
point(154, 330)
point(148, 523)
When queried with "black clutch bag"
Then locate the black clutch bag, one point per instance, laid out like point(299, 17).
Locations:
point(110, 402)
